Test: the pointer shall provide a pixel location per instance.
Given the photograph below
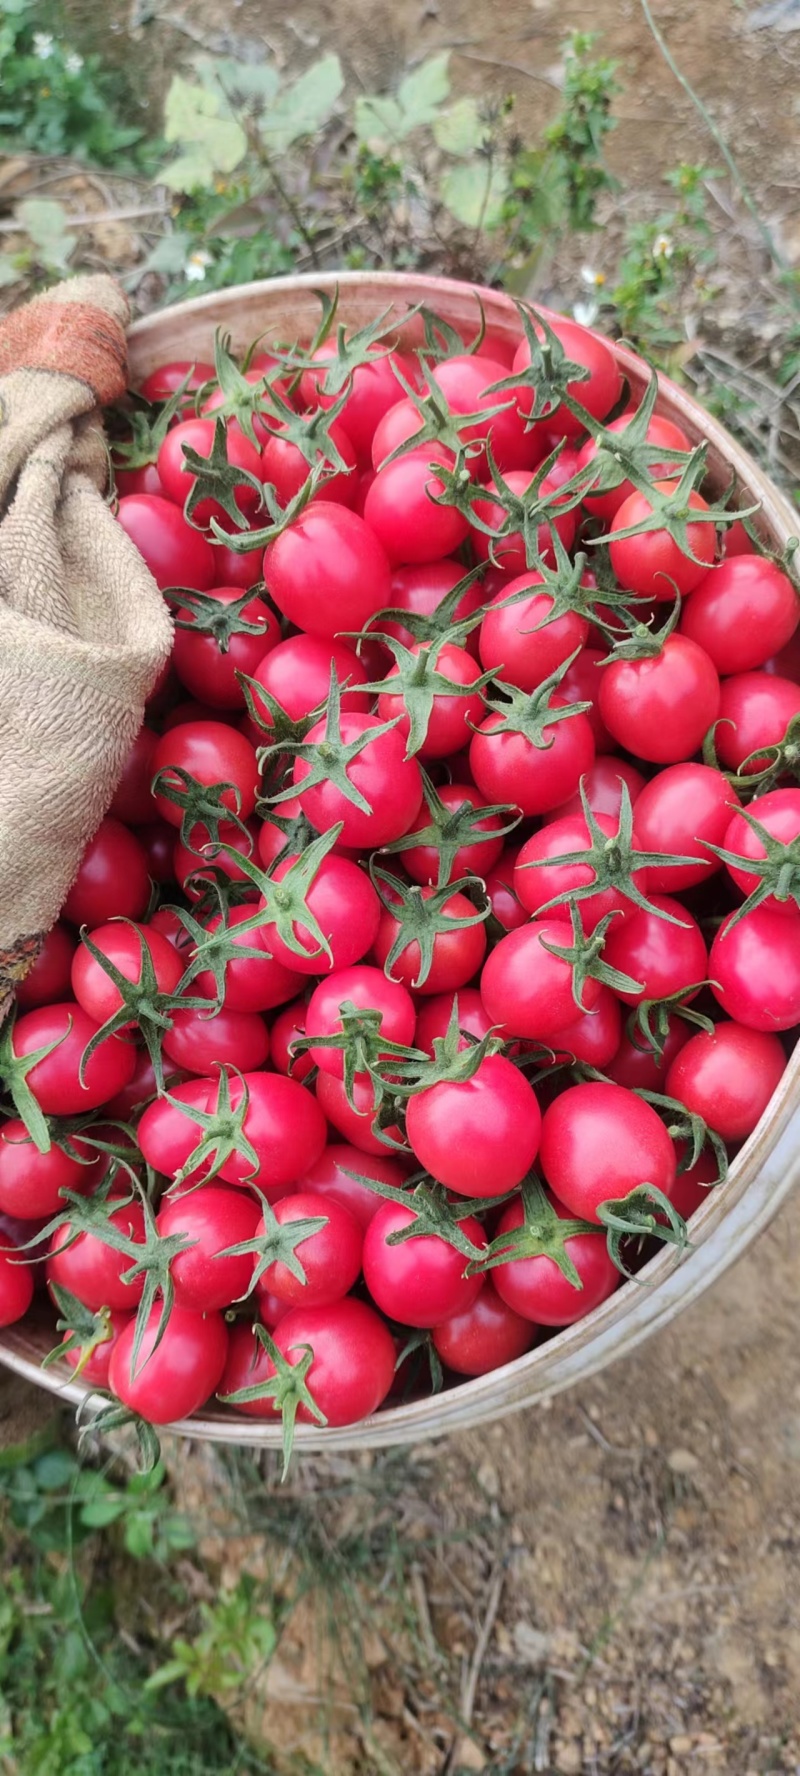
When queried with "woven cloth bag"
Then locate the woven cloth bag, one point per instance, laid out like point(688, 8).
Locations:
point(84, 631)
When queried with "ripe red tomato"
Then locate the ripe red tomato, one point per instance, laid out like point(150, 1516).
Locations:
point(54, 1081)
point(354, 1355)
point(681, 811)
point(209, 1219)
point(597, 393)
point(290, 1023)
point(252, 983)
point(778, 813)
point(422, 861)
point(755, 711)
point(93, 1271)
point(193, 870)
point(374, 388)
point(498, 881)
point(198, 1041)
point(508, 551)
point(16, 1282)
point(297, 673)
point(422, 1280)
point(388, 781)
point(402, 510)
point(212, 753)
point(665, 959)
point(660, 432)
point(727, 1076)
point(465, 383)
point(133, 802)
point(485, 1337)
point(480, 1136)
point(49, 978)
point(652, 564)
point(600, 1142)
point(602, 785)
point(508, 767)
point(581, 683)
point(538, 1290)
point(94, 1370)
point(742, 612)
point(419, 588)
point(175, 1377)
point(539, 875)
point(330, 1258)
point(178, 480)
point(31, 1182)
point(247, 1364)
point(124, 946)
point(639, 1067)
point(176, 554)
point(282, 1122)
point(209, 670)
point(367, 989)
point(457, 954)
point(167, 379)
point(433, 1017)
point(347, 910)
point(517, 642)
point(327, 572)
point(286, 469)
point(112, 880)
point(661, 708)
point(353, 1120)
point(595, 1035)
point(754, 968)
point(451, 718)
point(330, 1178)
point(529, 992)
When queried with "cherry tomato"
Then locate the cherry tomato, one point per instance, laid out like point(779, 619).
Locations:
point(528, 991)
point(212, 753)
point(778, 813)
point(508, 550)
point(516, 640)
point(662, 708)
point(682, 811)
point(198, 1041)
point(600, 1142)
point(480, 1136)
point(755, 711)
point(346, 907)
point(402, 509)
point(126, 947)
point(595, 1035)
point(354, 1356)
point(498, 881)
point(94, 1370)
point(112, 880)
point(387, 780)
point(133, 802)
point(367, 989)
point(485, 1337)
point(602, 785)
point(742, 612)
point(597, 393)
point(422, 861)
point(331, 1179)
point(94, 1271)
point(178, 480)
point(353, 1120)
point(508, 767)
point(176, 554)
point(16, 1282)
point(652, 564)
point(422, 1280)
point(329, 1259)
point(581, 684)
point(639, 1067)
point(465, 382)
point(665, 958)
point(419, 588)
point(209, 1220)
point(251, 983)
point(327, 572)
point(537, 1288)
point(49, 978)
point(289, 1024)
point(540, 876)
point(54, 1080)
point(286, 469)
point(193, 870)
point(660, 432)
point(754, 968)
point(208, 668)
point(175, 1377)
point(31, 1182)
point(433, 1017)
point(457, 954)
point(451, 718)
point(374, 388)
point(727, 1075)
point(167, 379)
point(297, 673)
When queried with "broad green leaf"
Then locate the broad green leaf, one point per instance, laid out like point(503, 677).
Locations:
point(212, 143)
point(459, 129)
point(424, 90)
point(474, 193)
point(45, 221)
point(169, 254)
point(304, 107)
point(247, 84)
point(378, 120)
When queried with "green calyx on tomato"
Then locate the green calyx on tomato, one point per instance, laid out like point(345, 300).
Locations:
point(287, 1388)
point(421, 914)
point(448, 830)
point(613, 859)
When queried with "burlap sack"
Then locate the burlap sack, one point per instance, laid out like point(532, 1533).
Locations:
point(84, 630)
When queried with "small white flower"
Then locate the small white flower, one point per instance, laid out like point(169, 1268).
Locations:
point(594, 280)
point(584, 313)
point(43, 44)
point(73, 62)
point(196, 266)
point(663, 247)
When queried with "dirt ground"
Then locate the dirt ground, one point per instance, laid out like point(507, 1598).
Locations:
point(610, 1584)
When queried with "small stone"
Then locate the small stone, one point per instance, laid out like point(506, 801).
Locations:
point(568, 1758)
point(531, 1644)
point(488, 1478)
point(680, 1744)
point(467, 1755)
point(682, 1461)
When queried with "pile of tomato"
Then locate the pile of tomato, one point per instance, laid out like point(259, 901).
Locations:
point(441, 943)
